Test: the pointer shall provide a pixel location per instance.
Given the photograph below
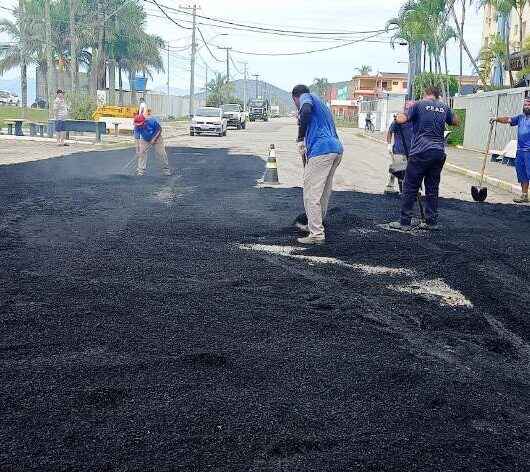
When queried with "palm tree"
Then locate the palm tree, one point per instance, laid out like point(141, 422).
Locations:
point(364, 70)
point(320, 86)
point(493, 52)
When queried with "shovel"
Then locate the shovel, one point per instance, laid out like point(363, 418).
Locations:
point(480, 193)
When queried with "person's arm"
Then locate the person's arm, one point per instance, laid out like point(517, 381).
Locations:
point(304, 118)
point(505, 120)
point(157, 134)
point(389, 135)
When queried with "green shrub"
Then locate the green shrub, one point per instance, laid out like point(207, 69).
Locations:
point(457, 132)
point(422, 81)
point(81, 106)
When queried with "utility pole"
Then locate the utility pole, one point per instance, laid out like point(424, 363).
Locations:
point(245, 88)
point(49, 59)
point(227, 63)
point(206, 85)
point(257, 76)
point(193, 54)
point(169, 107)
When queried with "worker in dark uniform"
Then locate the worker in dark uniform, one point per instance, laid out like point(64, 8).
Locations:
point(426, 157)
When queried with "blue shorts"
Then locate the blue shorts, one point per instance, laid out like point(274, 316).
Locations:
point(59, 126)
point(522, 166)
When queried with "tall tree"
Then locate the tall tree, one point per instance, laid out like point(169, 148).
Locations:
point(320, 86)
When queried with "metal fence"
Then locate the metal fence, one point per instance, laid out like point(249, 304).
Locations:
point(480, 107)
point(382, 110)
point(159, 104)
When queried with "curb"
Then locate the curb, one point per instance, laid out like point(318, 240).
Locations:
point(492, 181)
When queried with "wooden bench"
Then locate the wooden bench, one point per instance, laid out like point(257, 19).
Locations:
point(81, 126)
point(9, 125)
point(35, 128)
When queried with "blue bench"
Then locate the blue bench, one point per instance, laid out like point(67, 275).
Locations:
point(85, 126)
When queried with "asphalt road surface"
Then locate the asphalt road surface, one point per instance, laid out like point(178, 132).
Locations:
point(173, 324)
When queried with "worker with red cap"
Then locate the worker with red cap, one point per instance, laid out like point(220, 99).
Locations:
point(522, 158)
point(150, 133)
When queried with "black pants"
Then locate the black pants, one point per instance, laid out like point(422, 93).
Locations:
point(426, 167)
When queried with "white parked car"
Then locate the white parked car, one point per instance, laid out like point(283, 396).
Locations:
point(8, 98)
point(208, 120)
point(235, 115)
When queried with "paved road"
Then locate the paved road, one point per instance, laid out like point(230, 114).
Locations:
point(170, 324)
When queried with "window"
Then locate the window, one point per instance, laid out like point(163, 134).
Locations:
point(405, 84)
point(384, 85)
point(395, 82)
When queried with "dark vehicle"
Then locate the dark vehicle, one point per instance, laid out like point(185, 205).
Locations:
point(258, 109)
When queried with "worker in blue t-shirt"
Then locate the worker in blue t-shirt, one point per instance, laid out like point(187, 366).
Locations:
point(426, 156)
point(150, 133)
point(398, 151)
point(321, 149)
point(522, 158)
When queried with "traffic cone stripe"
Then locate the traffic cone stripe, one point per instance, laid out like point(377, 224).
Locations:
point(271, 168)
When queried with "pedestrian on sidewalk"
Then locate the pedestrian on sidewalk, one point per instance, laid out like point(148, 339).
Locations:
point(426, 156)
point(60, 113)
point(398, 151)
point(150, 133)
point(319, 144)
point(522, 157)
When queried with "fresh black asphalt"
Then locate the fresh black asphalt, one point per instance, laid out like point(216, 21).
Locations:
point(136, 335)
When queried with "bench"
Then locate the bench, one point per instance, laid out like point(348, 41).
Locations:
point(34, 127)
point(507, 155)
point(80, 126)
point(9, 125)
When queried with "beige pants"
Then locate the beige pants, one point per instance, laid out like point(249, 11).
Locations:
point(160, 152)
point(318, 184)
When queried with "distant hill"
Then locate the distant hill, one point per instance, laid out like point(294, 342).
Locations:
point(276, 95)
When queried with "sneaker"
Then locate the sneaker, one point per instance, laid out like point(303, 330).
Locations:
point(302, 227)
point(431, 227)
point(399, 227)
point(522, 199)
point(312, 240)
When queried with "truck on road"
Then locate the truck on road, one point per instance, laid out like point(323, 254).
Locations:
point(275, 111)
point(235, 116)
point(258, 109)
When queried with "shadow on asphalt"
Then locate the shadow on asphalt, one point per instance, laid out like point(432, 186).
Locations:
point(166, 324)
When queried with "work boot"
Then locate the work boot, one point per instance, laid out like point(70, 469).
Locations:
point(396, 225)
point(301, 227)
point(312, 240)
point(522, 199)
point(431, 226)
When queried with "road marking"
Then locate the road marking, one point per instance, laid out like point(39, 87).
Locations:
point(432, 290)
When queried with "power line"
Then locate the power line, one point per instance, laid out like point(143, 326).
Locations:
point(299, 53)
point(208, 47)
point(168, 17)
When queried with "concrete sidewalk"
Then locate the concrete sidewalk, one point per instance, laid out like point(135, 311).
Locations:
point(469, 163)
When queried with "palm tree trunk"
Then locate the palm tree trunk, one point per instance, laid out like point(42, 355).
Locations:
point(112, 81)
point(508, 63)
point(24, 83)
point(430, 62)
point(462, 22)
point(424, 57)
point(23, 65)
point(74, 83)
point(464, 45)
point(520, 13)
point(97, 53)
point(132, 84)
point(448, 94)
point(49, 59)
point(120, 86)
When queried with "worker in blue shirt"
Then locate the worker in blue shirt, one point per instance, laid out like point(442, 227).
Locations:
point(321, 149)
point(150, 133)
point(426, 156)
point(398, 151)
point(522, 158)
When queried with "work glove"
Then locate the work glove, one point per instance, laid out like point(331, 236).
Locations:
point(492, 120)
point(389, 148)
point(302, 150)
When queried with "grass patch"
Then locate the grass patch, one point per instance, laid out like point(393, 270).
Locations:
point(456, 138)
point(33, 114)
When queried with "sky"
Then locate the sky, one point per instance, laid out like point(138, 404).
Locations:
point(284, 72)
